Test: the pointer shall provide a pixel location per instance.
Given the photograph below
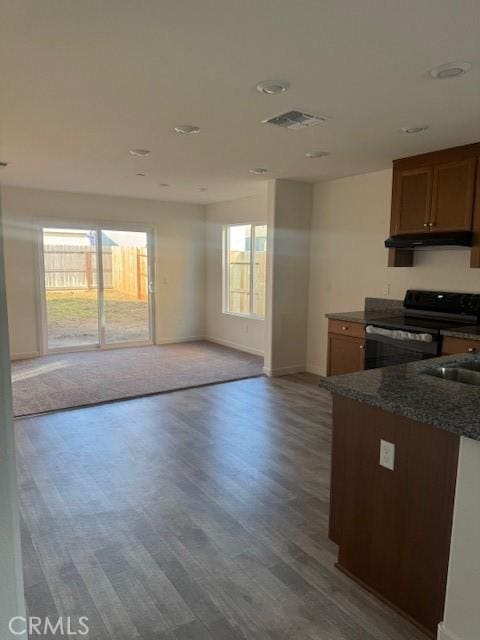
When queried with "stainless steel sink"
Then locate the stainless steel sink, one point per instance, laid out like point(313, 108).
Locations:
point(471, 366)
point(468, 373)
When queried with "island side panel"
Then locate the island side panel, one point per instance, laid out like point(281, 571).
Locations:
point(393, 528)
point(462, 610)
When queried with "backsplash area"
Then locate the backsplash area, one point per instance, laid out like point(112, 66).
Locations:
point(383, 305)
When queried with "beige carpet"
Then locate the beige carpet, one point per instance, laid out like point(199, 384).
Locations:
point(69, 380)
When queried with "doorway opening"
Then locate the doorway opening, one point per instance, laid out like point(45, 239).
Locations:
point(97, 288)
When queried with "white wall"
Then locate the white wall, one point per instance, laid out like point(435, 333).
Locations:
point(289, 219)
point(179, 251)
point(241, 333)
point(462, 611)
point(12, 601)
point(351, 219)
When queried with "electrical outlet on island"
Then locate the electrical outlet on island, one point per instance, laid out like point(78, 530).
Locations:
point(387, 455)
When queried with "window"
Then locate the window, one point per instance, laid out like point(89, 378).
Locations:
point(245, 261)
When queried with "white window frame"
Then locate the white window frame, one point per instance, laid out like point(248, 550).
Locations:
point(225, 268)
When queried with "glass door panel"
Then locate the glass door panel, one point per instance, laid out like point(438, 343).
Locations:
point(71, 287)
point(125, 292)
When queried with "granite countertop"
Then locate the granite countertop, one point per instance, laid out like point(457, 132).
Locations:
point(362, 317)
point(468, 332)
point(407, 391)
point(374, 309)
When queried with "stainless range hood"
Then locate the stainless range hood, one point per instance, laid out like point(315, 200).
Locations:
point(432, 239)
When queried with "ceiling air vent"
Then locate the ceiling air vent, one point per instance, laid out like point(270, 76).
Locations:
point(295, 119)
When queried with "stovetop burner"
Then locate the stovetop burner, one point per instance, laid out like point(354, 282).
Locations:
point(425, 312)
point(434, 311)
point(420, 323)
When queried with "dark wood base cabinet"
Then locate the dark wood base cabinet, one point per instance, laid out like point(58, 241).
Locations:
point(393, 528)
point(346, 347)
point(452, 346)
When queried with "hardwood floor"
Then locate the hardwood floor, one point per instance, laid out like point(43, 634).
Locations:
point(199, 514)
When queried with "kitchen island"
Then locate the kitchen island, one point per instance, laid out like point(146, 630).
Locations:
point(405, 465)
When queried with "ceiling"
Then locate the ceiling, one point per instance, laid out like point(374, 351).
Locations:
point(83, 82)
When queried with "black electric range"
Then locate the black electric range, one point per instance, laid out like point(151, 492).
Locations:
point(415, 334)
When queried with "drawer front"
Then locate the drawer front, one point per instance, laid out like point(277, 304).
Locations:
point(451, 346)
point(354, 329)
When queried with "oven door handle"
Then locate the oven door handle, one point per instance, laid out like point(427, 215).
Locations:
point(398, 334)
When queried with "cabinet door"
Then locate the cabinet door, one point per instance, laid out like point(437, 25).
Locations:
point(411, 200)
point(453, 191)
point(345, 354)
point(452, 346)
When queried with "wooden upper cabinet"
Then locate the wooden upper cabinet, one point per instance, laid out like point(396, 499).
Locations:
point(434, 198)
point(453, 192)
point(411, 200)
point(433, 193)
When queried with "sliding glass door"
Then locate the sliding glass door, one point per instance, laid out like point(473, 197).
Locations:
point(126, 313)
point(71, 287)
point(98, 287)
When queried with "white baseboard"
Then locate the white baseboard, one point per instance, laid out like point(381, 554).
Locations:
point(234, 345)
point(445, 634)
point(182, 339)
point(36, 354)
point(25, 356)
point(283, 371)
point(317, 369)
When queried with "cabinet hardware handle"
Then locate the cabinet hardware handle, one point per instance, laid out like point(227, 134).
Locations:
point(362, 346)
point(471, 350)
point(432, 224)
point(426, 224)
point(345, 328)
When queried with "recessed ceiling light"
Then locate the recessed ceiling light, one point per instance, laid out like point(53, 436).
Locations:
point(163, 184)
point(450, 70)
point(187, 128)
point(316, 154)
point(3, 165)
point(272, 87)
point(414, 129)
point(258, 171)
point(203, 188)
point(139, 152)
point(141, 174)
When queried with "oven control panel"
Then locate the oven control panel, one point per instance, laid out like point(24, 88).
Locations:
point(443, 301)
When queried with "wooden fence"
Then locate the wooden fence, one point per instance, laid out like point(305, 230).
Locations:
point(239, 284)
point(129, 268)
point(74, 267)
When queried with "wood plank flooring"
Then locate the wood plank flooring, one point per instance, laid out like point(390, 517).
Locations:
point(195, 515)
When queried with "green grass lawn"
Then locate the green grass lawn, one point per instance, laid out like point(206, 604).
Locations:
point(72, 317)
